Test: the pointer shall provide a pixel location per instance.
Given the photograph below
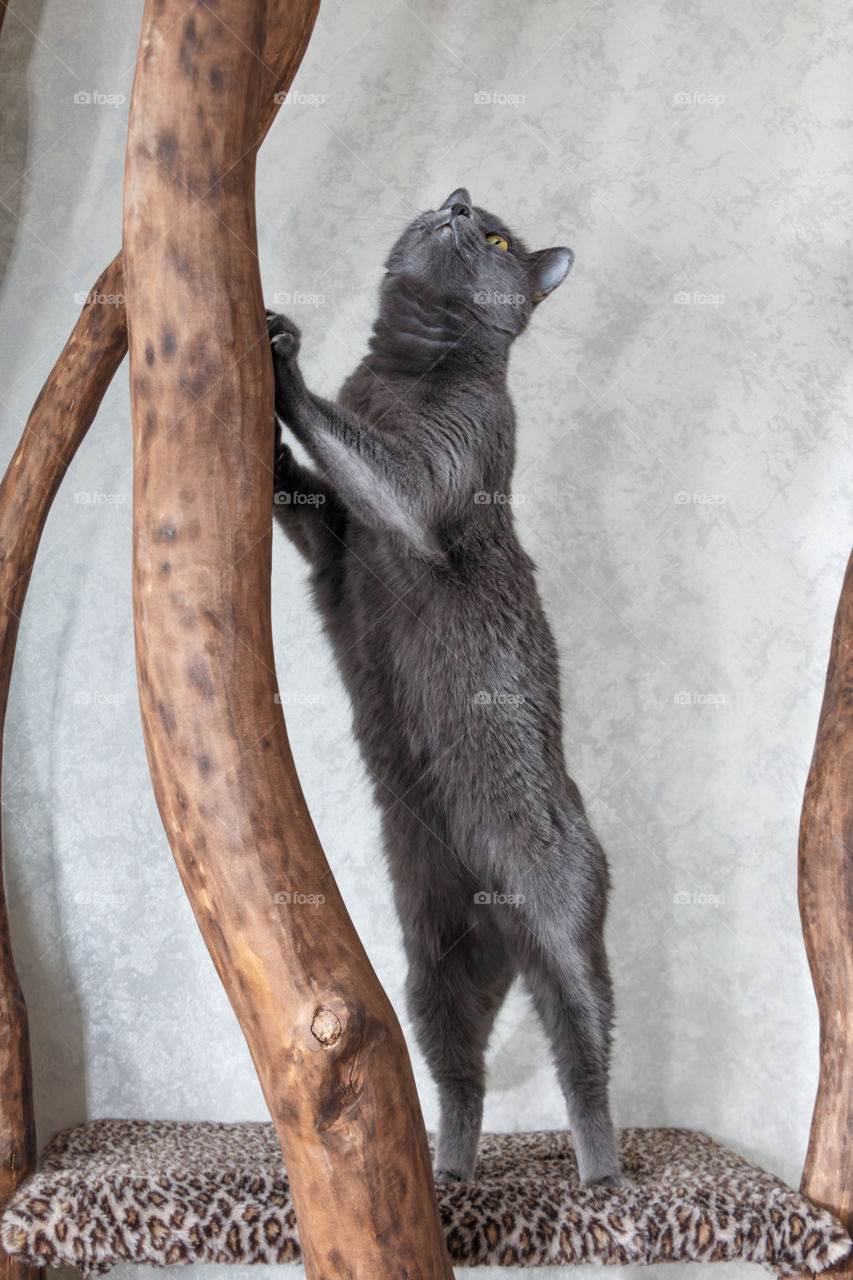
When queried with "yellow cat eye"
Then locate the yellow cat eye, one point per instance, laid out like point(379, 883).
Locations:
point(500, 242)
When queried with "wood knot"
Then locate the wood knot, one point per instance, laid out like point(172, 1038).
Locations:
point(326, 1027)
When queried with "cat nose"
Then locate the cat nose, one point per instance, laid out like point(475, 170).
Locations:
point(460, 210)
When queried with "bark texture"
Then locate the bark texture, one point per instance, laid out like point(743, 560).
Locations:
point(327, 1046)
point(826, 910)
point(59, 420)
point(61, 416)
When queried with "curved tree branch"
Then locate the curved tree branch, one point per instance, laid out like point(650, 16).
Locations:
point(328, 1049)
point(60, 418)
point(826, 910)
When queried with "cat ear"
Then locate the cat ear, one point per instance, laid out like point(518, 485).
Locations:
point(459, 196)
point(547, 269)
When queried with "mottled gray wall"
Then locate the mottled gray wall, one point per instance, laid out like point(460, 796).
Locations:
point(683, 483)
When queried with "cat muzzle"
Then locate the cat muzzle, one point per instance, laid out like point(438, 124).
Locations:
point(447, 220)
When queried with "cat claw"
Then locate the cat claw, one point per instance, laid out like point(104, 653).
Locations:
point(285, 336)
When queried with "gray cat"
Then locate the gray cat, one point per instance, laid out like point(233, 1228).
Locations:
point(432, 609)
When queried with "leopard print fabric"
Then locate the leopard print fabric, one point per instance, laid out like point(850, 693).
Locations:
point(163, 1193)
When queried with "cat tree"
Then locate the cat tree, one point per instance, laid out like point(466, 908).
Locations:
point(324, 1039)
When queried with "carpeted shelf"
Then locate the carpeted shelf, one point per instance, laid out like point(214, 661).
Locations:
point(163, 1193)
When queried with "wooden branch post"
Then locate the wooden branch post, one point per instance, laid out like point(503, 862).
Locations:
point(60, 418)
point(826, 910)
point(327, 1046)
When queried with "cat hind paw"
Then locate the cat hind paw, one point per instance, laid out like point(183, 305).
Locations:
point(611, 1180)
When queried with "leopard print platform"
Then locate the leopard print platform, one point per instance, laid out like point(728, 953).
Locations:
point(161, 1193)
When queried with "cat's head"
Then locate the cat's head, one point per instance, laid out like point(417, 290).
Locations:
point(464, 256)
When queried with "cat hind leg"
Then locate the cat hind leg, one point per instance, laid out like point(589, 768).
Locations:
point(558, 932)
point(454, 998)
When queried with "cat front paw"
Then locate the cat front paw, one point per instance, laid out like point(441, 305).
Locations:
point(284, 464)
point(448, 1175)
point(285, 336)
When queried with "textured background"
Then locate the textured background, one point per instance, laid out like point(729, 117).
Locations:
point(683, 484)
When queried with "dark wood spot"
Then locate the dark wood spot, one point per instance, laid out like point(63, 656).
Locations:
point(210, 617)
point(165, 533)
point(165, 567)
point(166, 719)
point(166, 149)
point(205, 764)
point(188, 52)
point(179, 262)
point(168, 344)
point(149, 354)
point(218, 79)
point(199, 677)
